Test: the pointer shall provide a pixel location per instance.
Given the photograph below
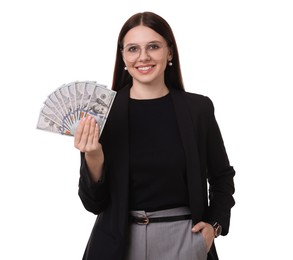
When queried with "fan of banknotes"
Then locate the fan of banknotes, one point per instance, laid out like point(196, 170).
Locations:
point(66, 106)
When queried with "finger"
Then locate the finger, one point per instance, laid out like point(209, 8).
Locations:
point(96, 134)
point(85, 133)
point(198, 227)
point(92, 131)
point(78, 132)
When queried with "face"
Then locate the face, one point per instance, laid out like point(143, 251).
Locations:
point(145, 54)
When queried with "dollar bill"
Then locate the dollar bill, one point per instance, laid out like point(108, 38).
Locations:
point(47, 124)
point(67, 105)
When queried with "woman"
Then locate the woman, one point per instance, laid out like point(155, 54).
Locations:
point(146, 177)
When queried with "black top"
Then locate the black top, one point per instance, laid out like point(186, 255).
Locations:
point(157, 161)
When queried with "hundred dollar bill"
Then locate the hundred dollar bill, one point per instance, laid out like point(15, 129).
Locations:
point(100, 105)
point(79, 87)
point(47, 124)
point(64, 92)
point(72, 94)
point(86, 97)
point(52, 116)
point(57, 101)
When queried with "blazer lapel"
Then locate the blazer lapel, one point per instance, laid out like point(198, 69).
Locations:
point(187, 129)
point(117, 150)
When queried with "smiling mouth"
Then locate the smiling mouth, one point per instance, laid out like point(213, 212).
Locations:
point(146, 68)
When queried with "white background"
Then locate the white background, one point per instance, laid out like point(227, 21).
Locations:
point(239, 53)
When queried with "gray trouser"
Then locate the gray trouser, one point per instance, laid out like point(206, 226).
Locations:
point(165, 240)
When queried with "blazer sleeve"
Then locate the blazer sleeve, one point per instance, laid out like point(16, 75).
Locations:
point(220, 175)
point(94, 195)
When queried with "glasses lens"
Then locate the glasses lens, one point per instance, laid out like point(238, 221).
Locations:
point(131, 52)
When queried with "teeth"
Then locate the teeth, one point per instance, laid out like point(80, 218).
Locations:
point(144, 68)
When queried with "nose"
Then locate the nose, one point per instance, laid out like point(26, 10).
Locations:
point(144, 55)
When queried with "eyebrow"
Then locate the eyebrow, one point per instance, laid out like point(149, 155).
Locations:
point(131, 44)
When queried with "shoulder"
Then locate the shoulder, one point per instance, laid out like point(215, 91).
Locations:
point(195, 101)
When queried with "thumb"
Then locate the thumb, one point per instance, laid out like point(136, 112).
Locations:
point(199, 226)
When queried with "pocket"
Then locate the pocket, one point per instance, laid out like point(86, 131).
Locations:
point(199, 246)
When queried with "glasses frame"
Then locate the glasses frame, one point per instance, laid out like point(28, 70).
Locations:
point(143, 46)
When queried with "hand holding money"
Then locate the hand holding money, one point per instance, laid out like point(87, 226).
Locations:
point(86, 140)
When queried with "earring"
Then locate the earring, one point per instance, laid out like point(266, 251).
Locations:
point(170, 63)
point(125, 68)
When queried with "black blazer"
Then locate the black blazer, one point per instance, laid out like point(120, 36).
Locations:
point(206, 159)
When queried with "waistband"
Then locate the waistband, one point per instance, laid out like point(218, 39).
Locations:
point(175, 214)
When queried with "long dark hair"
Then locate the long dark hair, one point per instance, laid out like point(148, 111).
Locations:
point(173, 77)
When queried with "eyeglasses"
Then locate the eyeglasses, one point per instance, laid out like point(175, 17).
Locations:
point(131, 52)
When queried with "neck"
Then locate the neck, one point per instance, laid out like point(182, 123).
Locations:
point(148, 91)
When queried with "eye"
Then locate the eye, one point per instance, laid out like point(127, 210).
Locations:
point(132, 48)
point(153, 46)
